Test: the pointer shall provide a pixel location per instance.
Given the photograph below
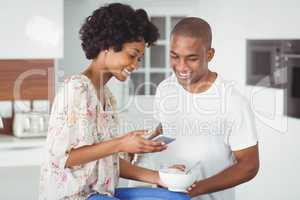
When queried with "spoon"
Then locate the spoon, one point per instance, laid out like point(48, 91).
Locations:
point(195, 165)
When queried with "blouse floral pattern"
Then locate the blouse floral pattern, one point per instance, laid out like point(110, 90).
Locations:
point(78, 119)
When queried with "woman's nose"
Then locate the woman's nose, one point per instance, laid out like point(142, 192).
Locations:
point(135, 65)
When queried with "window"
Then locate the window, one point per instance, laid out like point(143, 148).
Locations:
point(155, 66)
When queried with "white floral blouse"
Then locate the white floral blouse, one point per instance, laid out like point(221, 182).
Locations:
point(78, 119)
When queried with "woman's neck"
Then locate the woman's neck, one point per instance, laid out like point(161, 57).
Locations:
point(99, 76)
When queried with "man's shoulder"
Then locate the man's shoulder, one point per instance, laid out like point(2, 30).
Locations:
point(169, 79)
point(168, 83)
point(231, 93)
point(238, 101)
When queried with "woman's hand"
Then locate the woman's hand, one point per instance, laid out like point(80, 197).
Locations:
point(179, 167)
point(134, 142)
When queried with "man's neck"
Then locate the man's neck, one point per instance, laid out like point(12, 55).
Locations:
point(203, 84)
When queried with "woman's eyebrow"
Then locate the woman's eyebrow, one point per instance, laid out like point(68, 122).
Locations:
point(138, 51)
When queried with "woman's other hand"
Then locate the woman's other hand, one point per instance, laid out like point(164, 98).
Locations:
point(179, 167)
point(134, 142)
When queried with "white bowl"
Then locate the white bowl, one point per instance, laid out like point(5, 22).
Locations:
point(176, 181)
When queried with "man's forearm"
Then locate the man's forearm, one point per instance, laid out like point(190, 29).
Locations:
point(236, 174)
point(129, 171)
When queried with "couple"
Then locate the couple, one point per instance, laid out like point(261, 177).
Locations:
point(85, 156)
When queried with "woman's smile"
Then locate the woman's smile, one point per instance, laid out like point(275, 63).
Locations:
point(126, 72)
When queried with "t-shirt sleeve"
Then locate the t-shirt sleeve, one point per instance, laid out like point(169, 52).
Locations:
point(156, 108)
point(242, 132)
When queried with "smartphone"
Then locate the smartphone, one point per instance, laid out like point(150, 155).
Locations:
point(164, 139)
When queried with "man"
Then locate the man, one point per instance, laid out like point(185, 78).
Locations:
point(211, 121)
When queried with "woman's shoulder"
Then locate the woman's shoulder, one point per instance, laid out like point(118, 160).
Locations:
point(76, 79)
point(77, 82)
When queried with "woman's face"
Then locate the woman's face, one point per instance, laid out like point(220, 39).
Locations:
point(122, 63)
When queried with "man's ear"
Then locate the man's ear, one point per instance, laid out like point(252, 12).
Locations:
point(210, 54)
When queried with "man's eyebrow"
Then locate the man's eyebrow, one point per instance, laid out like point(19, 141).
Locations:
point(190, 55)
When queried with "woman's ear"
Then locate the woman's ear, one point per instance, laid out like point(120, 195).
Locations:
point(210, 54)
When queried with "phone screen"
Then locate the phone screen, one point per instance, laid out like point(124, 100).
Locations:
point(166, 140)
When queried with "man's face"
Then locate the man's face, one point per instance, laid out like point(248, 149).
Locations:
point(189, 58)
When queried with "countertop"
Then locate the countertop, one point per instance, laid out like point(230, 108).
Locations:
point(21, 152)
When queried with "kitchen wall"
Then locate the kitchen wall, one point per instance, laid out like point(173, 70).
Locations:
point(232, 22)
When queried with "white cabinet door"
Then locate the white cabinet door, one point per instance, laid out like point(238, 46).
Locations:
point(31, 29)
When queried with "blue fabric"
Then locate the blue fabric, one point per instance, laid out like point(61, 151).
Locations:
point(142, 194)
point(149, 194)
point(101, 197)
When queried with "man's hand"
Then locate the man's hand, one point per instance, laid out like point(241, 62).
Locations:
point(193, 190)
point(245, 168)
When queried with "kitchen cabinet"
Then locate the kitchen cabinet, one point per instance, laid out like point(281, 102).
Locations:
point(31, 29)
point(20, 161)
point(276, 64)
point(21, 182)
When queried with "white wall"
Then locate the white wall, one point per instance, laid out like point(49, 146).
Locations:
point(233, 22)
point(31, 29)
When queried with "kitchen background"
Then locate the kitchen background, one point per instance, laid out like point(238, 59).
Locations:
point(40, 47)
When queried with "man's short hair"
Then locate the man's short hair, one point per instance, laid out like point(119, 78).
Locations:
point(194, 27)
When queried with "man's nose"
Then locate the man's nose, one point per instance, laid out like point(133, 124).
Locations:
point(182, 65)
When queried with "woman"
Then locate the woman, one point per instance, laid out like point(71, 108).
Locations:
point(82, 148)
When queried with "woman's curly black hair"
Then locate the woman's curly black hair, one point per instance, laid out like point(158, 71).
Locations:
point(112, 26)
